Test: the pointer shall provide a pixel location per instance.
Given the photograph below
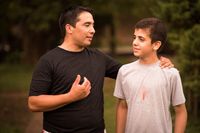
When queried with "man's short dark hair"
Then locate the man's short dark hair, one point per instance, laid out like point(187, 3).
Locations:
point(70, 16)
point(158, 31)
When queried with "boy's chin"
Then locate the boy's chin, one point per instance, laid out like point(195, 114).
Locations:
point(136, 55)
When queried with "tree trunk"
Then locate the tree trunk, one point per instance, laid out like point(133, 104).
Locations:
point(189, 100)
point(195, 111)
point(33, 44)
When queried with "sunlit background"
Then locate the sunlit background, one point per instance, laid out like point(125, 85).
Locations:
point(29, 28)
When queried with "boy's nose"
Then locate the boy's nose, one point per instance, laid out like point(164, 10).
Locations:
point(134, 43)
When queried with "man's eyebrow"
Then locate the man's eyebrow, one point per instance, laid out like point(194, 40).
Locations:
point(89, 23)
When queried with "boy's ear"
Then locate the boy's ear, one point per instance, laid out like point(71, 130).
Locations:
point(68, 28)
point(156, 45)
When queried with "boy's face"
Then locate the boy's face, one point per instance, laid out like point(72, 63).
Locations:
point(142, 46)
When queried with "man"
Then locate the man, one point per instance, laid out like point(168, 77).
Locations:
point(67, 84)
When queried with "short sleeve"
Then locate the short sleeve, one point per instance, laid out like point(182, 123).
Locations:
point(41, 79)
point(177, 89)
point(118, 92)
point(112, 67)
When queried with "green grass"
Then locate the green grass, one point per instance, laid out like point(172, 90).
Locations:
point(109, 105)
point(15, 77)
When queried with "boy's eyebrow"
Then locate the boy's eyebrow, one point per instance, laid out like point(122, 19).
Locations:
point(138, 36)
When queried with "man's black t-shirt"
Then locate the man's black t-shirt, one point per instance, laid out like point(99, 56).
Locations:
point(55, 73)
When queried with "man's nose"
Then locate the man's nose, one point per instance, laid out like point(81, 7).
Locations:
point(92, 30)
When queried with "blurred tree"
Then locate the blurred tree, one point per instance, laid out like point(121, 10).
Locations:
point(183, 18)
point(35, 24)
point(108, 13)
point(31, 22)
point(31, 26)
point(190, 64)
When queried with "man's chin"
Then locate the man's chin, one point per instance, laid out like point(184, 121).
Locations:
point(87, 44)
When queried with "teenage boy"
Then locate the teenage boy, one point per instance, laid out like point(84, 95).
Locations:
point(146, 91)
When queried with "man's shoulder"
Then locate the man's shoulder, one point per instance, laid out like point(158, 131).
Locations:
point(49, 55)
point(52, 52)
point(93, 50)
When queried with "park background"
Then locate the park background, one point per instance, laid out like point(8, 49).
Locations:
point(29, 28)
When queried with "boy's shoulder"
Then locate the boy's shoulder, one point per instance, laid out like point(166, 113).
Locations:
point(129, 65)
point(171, 71)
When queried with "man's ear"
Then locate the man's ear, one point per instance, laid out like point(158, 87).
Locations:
point(156, 45)
point(68, 28)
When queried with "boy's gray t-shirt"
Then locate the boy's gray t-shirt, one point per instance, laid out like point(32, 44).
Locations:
point(149, 91)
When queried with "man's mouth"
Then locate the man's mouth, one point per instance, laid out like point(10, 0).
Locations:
point(90, 37)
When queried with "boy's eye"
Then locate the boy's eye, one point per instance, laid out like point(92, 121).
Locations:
point(141, 39)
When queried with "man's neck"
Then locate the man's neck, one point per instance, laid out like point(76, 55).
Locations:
point(69, 46)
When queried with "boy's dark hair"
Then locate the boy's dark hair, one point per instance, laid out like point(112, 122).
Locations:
point(70, 16)
point(158, 31)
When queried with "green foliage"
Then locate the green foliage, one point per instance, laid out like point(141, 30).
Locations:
point(35, 15)
point(13, 58)
point(188, 50)
point(177, 13)
point(179, 16)
point(182, 18)
point(193, 126)
point(191, 58)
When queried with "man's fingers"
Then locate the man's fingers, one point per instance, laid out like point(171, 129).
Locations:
point(167, 65)
point(88, 87)
point(77, 80)
point(86, 82)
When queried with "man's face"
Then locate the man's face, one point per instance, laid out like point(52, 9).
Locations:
point(142, 46)
point(83, 31)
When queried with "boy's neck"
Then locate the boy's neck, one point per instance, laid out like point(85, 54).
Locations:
point(148, 60)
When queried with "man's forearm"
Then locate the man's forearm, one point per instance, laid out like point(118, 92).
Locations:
point(44, 103)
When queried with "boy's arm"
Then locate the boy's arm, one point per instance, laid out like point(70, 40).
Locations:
point(121, 115)
point(180, 118)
